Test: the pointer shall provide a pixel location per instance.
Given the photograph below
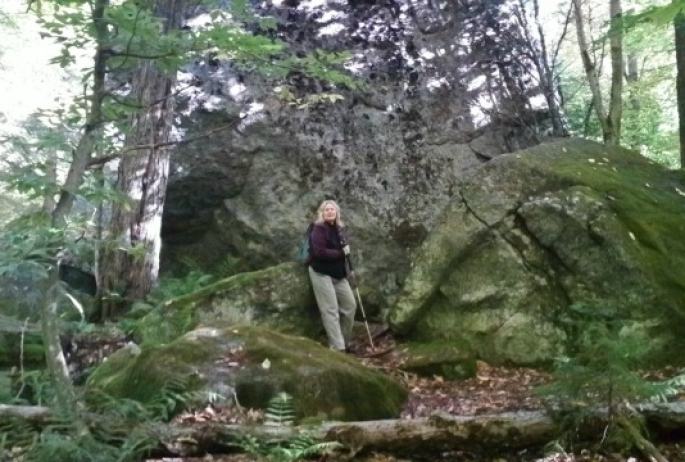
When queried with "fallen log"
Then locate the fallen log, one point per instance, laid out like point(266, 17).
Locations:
point(433, 435)
point(34, 414)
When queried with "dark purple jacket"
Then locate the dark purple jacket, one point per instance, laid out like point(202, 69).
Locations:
point(327, 256)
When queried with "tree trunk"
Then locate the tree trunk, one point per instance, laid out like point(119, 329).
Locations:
point(142, 177)
point(547, 79)
point(679, 23)
point(610, 120)
point(54, 356)
point(92, 133)
point(487, 434)
point(50, 175)
point(65, 393)
point(632, 77)
point(616, 94)
point(589, 65)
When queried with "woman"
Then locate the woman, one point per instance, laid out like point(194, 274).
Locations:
point(328, 273)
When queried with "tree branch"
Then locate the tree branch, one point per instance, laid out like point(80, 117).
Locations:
point(129, 54)
point(147, 107)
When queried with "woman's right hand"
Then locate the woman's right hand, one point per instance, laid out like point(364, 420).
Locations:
point(346, 250)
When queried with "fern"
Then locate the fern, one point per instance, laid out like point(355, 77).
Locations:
point(61, 442)
point(190, 264)
point(228, 267)
point(176, 287)
point(154, 322)
point(173, 398)
point(281, 410)
point(300, 447)
point(33, 387)
point(56, 447)
point(668, 388)
point(303, 446)
point(16, 433)
point(117, 408)
point(110, 438)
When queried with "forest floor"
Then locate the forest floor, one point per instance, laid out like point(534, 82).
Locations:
point(492, 390)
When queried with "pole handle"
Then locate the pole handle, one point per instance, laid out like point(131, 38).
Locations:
point(347, 257)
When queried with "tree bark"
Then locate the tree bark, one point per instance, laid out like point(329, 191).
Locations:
point(679, 24)
point(589, 65)
point(546, 70)
point(54, 356)
point(65, 393)
point(610, 119)
point(616, 94)
point(431, 435)
point(425, 436)
point(142, 177)
point(93, 128)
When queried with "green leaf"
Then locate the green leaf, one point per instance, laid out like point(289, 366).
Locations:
point(661, 15)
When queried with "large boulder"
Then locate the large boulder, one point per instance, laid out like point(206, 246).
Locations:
point(534, 232)
point(392, 153)
point(255, 364)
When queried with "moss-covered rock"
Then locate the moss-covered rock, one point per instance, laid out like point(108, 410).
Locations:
point(256, 363)
point(533, 232)
point(446, 359)
point(279, 298)
point(20, 343)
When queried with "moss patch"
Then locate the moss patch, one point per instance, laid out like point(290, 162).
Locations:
point(648, 199)
point(532, 233)
point(323, 383)
point(146, 376)
point(343, 388)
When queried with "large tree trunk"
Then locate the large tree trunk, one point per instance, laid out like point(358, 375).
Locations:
point(142, 177)
point(679, 23)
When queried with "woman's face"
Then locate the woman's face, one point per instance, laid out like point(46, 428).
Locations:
point(329, 213)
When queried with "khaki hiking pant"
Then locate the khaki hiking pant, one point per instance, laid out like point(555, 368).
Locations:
point(337, 307)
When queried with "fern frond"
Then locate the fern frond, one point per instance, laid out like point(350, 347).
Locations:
point(189, 263)
point(668, 388)
point(17, 433)
point(228, 267)
point(323, 447)
point(281, 410)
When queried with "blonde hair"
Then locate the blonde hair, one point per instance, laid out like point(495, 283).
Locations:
point(319, 215)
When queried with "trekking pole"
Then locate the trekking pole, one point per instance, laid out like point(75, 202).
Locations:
point(359, 298)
